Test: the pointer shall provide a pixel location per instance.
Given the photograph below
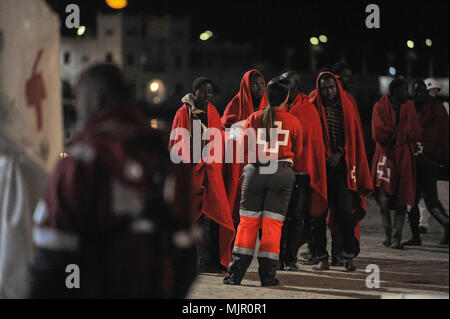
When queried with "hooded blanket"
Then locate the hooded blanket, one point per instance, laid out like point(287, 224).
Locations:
point(393, 164)
point(208, 189)
point(235, 114)
point(357, 169)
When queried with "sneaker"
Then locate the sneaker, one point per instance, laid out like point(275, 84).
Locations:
point(231, 280)
point(323, 265)
point(274, 282)
point(336, 262)
point(413, 242)
point(397, 246)
point(349, 266)
point(291, 266)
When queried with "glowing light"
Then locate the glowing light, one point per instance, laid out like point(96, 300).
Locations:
point(81, 30)
point(314, 41)
point(392, 71)
point(206, 35)
point(154, 124)
point(323, 38)
point(410, 44)
point(63, 155)
point(428, 42)
point(117, 4)
point(154, 86)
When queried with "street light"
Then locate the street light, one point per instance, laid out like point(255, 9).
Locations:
point(410, 44)
point(154, 86)
point(117, 4)
point(392, 71)
point(81, 30)
point(206, 35)
point(323, 38)
point(428, 42)
point(314, 41)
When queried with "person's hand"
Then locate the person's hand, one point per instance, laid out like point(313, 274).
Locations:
point(335, 159)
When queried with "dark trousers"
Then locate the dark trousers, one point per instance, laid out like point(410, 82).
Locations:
point(208, 249)
point(293, 231)
point(426, 188)
point(340, 198)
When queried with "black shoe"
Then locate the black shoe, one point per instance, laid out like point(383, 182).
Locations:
point(397, 246)
point(323, 265)
point(423, 230)
point(231, 280)
point(336, 262)
point(273, 282)
point(413, 242)
point(349, 266)
point(291, 266)
point(280, 265)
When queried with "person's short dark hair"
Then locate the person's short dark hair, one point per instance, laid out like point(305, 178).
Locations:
point(254, 74)
point(109, 80)
point(326, 76)
point(396, 84)
point(199, 81)
point(339, 67)
point(417, 83)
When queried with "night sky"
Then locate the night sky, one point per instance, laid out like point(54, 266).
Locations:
point(273, 26)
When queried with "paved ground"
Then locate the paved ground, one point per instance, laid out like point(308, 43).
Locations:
point(414, 272)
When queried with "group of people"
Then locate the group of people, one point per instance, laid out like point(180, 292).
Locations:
point(139, 224)
point(322, 176)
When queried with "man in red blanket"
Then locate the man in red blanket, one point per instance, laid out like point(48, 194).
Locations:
point(250, 98)
point(432, 153)
point(395, 129)
point(106, 212)
point(309, 196)
point(197, 138)
point(348, 174)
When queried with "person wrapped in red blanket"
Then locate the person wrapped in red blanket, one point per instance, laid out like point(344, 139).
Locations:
point(250, 98)
point(432, 154)
point(197, 138)
point(395, 129)
point(348, 174)
point(309, 196)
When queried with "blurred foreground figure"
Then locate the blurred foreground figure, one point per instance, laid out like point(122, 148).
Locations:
point(396, 130)
point(113, 222)
point(432, 153)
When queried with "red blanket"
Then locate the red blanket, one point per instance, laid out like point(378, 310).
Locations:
point(433, 147)
point(358, 172)
point(313, 156)
point(393, 165)
point(209, 195)
point(239, 109)
point(241, 106)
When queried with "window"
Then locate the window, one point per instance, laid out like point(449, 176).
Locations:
point(109, 57)
point(66, 57)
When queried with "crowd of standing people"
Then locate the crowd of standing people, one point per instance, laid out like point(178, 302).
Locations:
point(141, 225)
